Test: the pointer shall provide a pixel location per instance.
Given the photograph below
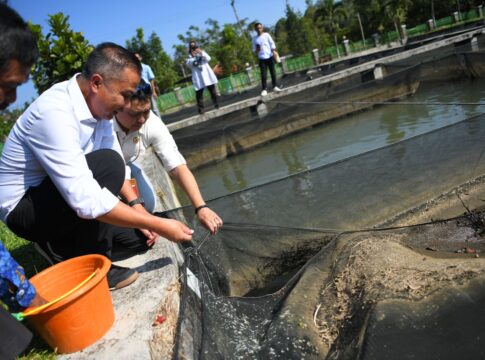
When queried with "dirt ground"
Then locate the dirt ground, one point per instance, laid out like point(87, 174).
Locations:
point(406, 261)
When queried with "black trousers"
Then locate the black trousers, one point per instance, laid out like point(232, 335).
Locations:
point(43, 216)
point(264, 64)
point(14, 337)
point(199, 94)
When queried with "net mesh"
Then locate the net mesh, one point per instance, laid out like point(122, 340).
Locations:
point(288, 276)
point(324, 263)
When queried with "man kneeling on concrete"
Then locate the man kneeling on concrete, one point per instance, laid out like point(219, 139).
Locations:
point(61, 169)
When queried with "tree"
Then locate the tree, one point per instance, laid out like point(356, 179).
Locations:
point(396, 10)
point(228, 46)
point(331, 17)
point(233, 52)
point(8, 118)
point(62, 52)
point(154, 55)
point(299, 37)
point(281, 37)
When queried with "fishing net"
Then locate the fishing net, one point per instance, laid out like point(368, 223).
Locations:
point(333, 263)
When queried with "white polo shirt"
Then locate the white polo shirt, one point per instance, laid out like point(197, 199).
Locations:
point(154, 133)
point(51, 138)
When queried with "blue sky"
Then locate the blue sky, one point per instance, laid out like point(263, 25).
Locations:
point(116, 21)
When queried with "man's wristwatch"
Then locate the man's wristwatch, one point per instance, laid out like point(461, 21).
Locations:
point(137, 201)
point(200, 207)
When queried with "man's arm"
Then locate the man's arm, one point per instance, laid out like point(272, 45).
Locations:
point(207, 217)
point(129, 195)
point(166, 149)
point(59, 153)
point(154, 87)
point(272, 44)
point(125, 216)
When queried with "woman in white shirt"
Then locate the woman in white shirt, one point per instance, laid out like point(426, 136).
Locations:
point(202, 75)
point(139, 131)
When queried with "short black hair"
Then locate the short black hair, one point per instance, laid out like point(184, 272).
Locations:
point(109, 60)
point(17, 42)
point(143, 92)
point(257, 24)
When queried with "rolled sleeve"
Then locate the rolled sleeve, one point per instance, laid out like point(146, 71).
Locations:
point(15, 290)
point(164, 144)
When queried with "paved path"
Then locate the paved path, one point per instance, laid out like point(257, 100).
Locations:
point(156, 292)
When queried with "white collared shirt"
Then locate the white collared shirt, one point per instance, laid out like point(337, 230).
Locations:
point(51, 138)
point(154, 133)
point(266, 45)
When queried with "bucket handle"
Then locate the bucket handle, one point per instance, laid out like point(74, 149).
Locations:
point(21, 315)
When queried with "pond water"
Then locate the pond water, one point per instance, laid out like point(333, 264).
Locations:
point(438, 104)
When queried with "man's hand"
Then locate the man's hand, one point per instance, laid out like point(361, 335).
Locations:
point(209, 219)
point(151, 236)
point(174, 230)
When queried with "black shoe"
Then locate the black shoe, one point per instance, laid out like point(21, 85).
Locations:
point(119, 277)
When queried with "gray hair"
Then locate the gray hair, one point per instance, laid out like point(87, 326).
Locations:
point(109, 60)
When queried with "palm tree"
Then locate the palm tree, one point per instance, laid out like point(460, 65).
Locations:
point(331, 17)
point(397, 11)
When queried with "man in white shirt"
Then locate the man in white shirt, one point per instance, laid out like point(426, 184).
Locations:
point(138, 128)
point(61, 169)
point(264, 47)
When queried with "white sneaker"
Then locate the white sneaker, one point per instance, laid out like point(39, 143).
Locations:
point(277, 89)
point(264, 93)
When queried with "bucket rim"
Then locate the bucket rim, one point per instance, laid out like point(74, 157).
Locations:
point(101, 273)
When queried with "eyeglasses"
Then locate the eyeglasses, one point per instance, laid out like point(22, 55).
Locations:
point(143, 88)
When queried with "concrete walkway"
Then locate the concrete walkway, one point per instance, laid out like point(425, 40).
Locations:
point(156, 292)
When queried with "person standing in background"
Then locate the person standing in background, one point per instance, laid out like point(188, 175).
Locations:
point(202, 75)
point(264, 47)
point(149, 77)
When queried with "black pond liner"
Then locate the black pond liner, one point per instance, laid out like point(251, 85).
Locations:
point(250, 291)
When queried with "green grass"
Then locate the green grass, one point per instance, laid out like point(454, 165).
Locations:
point(22, 251)
point(25, 254)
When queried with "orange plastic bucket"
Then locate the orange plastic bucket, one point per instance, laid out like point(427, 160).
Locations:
point(84, 316)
